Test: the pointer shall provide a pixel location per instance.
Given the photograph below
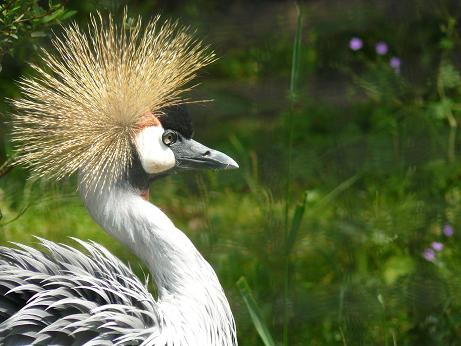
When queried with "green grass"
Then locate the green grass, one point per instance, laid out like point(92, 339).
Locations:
point(356, 271)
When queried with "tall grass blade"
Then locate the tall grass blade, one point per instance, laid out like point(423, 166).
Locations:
point(255, 312)
point(295, 68)
point(301, 208)
point(346, 184)
point(296, 55)
point(295, 223)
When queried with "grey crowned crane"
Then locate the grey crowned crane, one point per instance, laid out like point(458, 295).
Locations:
point(107, 105)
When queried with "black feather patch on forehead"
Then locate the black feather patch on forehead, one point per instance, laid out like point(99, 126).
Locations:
point(177, 118)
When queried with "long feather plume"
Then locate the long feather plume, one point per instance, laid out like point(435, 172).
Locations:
point(84, 106)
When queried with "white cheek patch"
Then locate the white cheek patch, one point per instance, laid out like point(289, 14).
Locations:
point(155, 156)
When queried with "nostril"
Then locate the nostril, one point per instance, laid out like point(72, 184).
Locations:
point(206, 153)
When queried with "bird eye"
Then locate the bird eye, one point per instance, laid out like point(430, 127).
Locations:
point(169, 137)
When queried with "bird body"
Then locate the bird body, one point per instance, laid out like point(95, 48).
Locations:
point(66, 297)
point(188, 288)
point(109, 110)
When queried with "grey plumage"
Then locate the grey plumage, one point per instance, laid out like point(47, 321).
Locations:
point(63, 296)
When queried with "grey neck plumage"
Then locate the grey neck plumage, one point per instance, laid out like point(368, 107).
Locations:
point(191, 298)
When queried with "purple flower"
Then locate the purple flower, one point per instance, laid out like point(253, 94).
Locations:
point(448, 230)
point(437, 246)
point(429, 255)
point(355, 43)
point(381, 48)
point(395, 64)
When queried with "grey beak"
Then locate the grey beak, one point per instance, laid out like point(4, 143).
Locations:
point(191, 154)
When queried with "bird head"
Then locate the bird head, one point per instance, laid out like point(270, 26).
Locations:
point(166, 144)
point(108, 96)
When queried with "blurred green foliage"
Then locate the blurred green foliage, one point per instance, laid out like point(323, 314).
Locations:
point(374, 168)
point(26, 20)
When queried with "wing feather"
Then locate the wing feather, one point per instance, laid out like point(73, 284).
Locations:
point(64, 296)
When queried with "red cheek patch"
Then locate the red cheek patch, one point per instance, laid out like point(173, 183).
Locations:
point(145, 194)
point(148, 119)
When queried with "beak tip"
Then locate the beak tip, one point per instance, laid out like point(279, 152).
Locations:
point(232, 164)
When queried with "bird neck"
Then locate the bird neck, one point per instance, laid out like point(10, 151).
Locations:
point(187, 285)
point(141, 226)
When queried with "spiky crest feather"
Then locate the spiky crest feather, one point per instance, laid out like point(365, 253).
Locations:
point(82, 110)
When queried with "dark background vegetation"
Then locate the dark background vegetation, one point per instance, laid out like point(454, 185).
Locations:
point(350, 168)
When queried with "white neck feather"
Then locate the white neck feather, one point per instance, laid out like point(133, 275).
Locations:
point(190, 294)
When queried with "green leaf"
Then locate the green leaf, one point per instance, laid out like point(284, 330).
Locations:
point(446, 43)
point(396, 267)
point(37, 34)
point(449, 76)
point(53, 16)
point(14, 9)
point(67, 15)
point(255, 312)
point(442, 108)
